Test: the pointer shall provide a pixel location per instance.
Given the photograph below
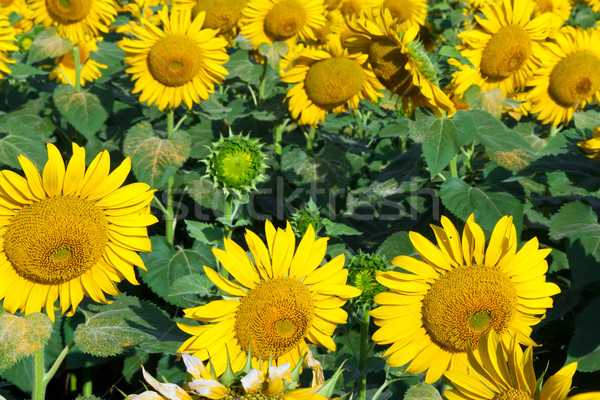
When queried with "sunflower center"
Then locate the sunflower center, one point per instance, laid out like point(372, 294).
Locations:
point(174, 60)
point(505, 53)
point(513, 394)
point(388, 64)
point(220, 14)
point(285, 20)
point(400, 9)
point(274, 317)
point(575, 78)
point(332, 82)
point(56, 239)
point(466, 303)
point(6, 3)
point(351, 7)
point(545, 6)
point(68, 11)
point(236, 167)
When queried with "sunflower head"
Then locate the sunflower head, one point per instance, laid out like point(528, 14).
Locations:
point(591, 146)
point(236, 163)
point(362, 272)
point(222, 15)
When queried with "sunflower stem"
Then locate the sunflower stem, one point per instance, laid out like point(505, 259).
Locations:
point(77, 68)
point(86, 388)
point(228, 215)
point(263, 79)
point(309, 140)
point(170, 123)
point(453, 167)
point(50, 374)
point(170, 220)
point(279, 137)
point(364, 350)
point(553, 131)
point(39, 384)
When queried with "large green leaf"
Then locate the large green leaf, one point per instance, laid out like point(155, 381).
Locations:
point(22, 336)
point(494, 135)
point(585, 343)
point(154, 160)
point(422, 391)
point(463, 200)
point(577, 221)
point(24, 134)
point(109, 329)
point(47, 44)
point(82, 109)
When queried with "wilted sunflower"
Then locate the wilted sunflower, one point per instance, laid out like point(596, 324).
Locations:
point(64, 66)
point(501, 48)
point(591, 146)
point(279, 299)
point(19, 7)
point(77, 20)
point(267, 21)
point(329, 81)
point(431, 315)
point(7, 43)
point(180, 63)
point(560, 11)
point(406, 13)
point(400, 63)
point(568, 76)
point(501, 370)
point(70, 232)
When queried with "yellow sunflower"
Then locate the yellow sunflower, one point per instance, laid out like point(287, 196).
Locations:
point(7, 39)
point(278, 299)
point(400, 63)
point(568, 76)
point(70, 232)
point(221, 15)
point(267, 21)
point(329, 81)
point(560, 11)
point(64, 69)
point(77, 20)
point(180, 63)
point(594, 4)
point(591, 146)
point(457, 293)
point(353, 8)
point(501, 48)
point(8, 7)
point(501, 371)
point(142, 9)
point(406, 13)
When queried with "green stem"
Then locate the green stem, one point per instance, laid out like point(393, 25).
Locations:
point(77, 68)
point(553, 131)
point(261, 89)
point(170, 221)
point(453, 168)
point(39, 384)
point(50, 374)
point(364, 350)
point(228, 215)
point(309, 140)
point(86, 388)
point(279, 137)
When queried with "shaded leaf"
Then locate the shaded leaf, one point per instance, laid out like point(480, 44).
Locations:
point(585, 344)
point(577, 221)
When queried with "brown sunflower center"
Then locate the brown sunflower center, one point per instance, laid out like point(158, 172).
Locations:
point(332, 82)
point(513, 394)
point(388, 64)
point(174, 60)
point(220, 14)
point(274, 317)
point(351, 7)
point(466, 303)
point(505, 53)
point(6, 3)
point(69, 61)
point(575, 78)
point(400, 9)
point(56, 239)
point(68, 11)
point(285, 19)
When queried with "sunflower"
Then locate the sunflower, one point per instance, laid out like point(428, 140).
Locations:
point(182, 62)
point(353, 8)
point(568, 76)
point(69, 233)
point(7, 39)
point(501, 371)
point(591, 146)
point(143, 9)
point(64, 69)
point(406, 13)
point(560, 11)
point(19, 7)
point(277, 301)
point(221, 15)
point(501, 48)
point(400, 63)
point(458, 293)
point(329, 81)
point(77, 20)
point(267, 21)
point(594, 4)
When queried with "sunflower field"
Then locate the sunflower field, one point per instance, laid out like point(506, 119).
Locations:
point(300, 199)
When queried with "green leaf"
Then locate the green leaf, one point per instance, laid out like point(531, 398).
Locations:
point(22, 336)
point(109, 329)
point(154, 160)
point(240, 66)
point(396, 245)
point(422, 391)
point(23, 71)
point(205, 233)
point(329, 167)
point(166, 265)
point(463, 200)
point(586, 119)
point(273, 52)
point(83, 110)
point(192, 290)
point(24, 134)
point(577, 221)
point(48, 44)
point(585, 343)
point(494, 135)
point(204, 192)
point(486, 100)
point(338, 229)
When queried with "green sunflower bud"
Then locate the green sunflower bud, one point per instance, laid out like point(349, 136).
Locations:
point(236, 164)
point(310, 215)
point(362, 270)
